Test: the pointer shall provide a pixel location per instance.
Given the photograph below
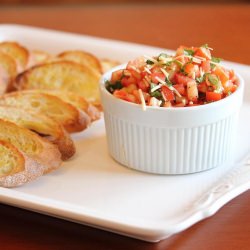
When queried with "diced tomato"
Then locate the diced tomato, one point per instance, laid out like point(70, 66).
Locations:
point(181, 79)
point(131, 88)
point(213, 96)
point(205, 65)
point(192, 91)
point(189, 69)
point(222, 74)
point(136, 74)
point(122, 94)
point(234, 87)
point(180, 88)
point(138, 63)
point(126, 81)
point(229, 87)
point(202, 87)
point(143, 85)
point(192, 70)
point(203, 52)
point(137, 96)
point(232, 76)
point(156, 75)
point(156, 69)
point(117, 75)
point(169, 95)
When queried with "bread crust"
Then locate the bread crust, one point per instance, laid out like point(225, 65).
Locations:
point(61, 75)
point(82, 57)
point(42, 125)
point(31, 144)
point(8, 71)
point(27, 169)
point(72, 119)
point(19, 53)
point(74, 99)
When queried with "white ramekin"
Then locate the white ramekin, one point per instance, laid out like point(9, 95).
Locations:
point(170, 140)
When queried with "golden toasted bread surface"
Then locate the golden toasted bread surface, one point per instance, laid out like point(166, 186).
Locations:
point(66, 114)
point(19, 53)
point(31, 144)
point(62, 75)
point(42, 125)
point(82, 57)
point(8, 71)
point(74, 99)
point(16, 168)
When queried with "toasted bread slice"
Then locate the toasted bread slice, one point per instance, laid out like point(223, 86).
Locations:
point(8, 71)
point(17, 52)
point(74, 99)
point(15, 167)
point(41, 124)
point(108, 64)
point(82, 57)
point(62, 75)
point(66, 114)
point(38, 57)
point(31, 144)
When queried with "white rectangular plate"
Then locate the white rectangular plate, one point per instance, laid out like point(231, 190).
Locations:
point(94, 190)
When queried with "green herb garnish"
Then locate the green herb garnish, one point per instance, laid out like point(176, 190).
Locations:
point(178, 63)
point(149, 62)
point(164, 55)
point(215, 60)
point(111, 87)
point(199, 79)
point(157, 94)
point(213, 79)
point(168, 83)
point(188, 52)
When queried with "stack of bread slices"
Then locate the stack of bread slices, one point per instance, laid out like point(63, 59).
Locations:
point(43, 99)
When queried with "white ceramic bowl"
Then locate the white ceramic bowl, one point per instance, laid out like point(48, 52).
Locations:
point(170, 140)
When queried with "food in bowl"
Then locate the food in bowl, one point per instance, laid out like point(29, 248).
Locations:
point(196, 136)
point(191, 77)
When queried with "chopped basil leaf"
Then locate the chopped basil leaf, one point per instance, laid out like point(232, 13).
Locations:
point(168, 63)
point(213, 79)
point(178, 63)
point(168, 83)
point(157, 94)
point(199, 79)
point(149, 62)
point(188, 52)
point(111, 87)
point(152, 85)
point(162, 55)
point(216, 59)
